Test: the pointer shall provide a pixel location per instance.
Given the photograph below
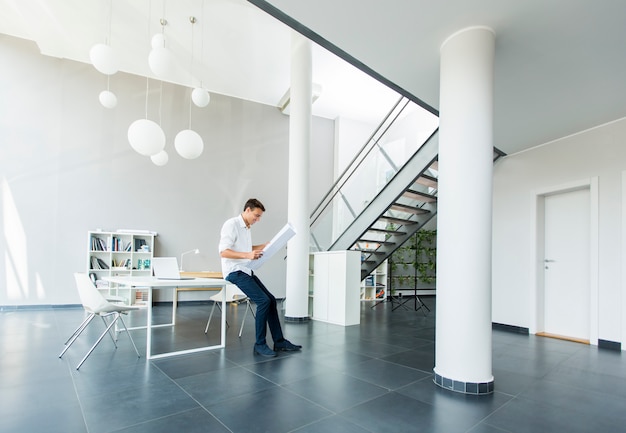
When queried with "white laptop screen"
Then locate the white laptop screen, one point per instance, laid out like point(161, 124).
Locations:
point(166, 268)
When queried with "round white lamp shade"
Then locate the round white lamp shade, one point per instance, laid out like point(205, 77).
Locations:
point(108, 99)
point(146, 137)
point(158, 40)
point(160, 158)
point(103, 59)
point(188, 144)
point(200, 97)
point(161, 62)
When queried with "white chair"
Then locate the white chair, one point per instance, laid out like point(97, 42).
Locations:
point(97, 305)
point(233, 295)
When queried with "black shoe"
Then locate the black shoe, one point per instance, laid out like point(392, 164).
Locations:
point(264, 350)
point(286, 346)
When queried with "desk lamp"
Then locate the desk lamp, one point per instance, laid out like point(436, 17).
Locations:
point(195, 251)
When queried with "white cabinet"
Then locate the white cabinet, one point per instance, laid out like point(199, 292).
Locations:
point(374, 286)
point(336, 290)
point(119, 253)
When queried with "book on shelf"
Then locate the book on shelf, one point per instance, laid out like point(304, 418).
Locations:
point(118, 244)
point(97, 244)
point(122, 263)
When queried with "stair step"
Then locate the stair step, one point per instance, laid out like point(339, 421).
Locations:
point(427, 180)
point(393, 232)
point(400, 221)
point(408, 209)
point(368, 251)
point(419, 196)
point(372, 241)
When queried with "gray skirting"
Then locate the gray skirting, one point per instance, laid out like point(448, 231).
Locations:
point(464, 387)
point(297, 319)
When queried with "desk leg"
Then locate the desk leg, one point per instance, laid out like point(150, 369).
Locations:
point(149, 325)
point(174, 305)
point(223, 343)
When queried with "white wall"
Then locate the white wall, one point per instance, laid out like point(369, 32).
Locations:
point(350, 136)
point(599, 152)
point(66, 167)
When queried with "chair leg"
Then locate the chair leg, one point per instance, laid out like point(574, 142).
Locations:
point(248, 307)
point(209, 321)
point(106, 331)
point(113, 339)
point(251, 310)
point(80, 328)
point(219, 305)
point(76, 333)
point(129, 336)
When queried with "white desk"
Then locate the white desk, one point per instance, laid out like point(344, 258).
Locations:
point(151, 283)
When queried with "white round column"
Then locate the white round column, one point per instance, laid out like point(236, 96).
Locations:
point(297, 291)
point(463, 323)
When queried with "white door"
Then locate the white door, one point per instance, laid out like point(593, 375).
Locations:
point(566, 264)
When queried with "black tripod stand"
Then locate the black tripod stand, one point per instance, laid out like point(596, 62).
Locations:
point(400, 301)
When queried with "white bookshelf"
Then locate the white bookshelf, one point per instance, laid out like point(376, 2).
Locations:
point(374, 286)
point(120, 253)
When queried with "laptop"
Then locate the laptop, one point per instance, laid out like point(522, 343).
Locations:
point(166, 268)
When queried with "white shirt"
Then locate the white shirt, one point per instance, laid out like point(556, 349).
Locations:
point(237, 237)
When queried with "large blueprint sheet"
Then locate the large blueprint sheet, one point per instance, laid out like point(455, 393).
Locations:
point(277, 243)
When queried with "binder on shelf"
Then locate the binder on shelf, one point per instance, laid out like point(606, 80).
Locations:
point(139, 243)
point(97, 263)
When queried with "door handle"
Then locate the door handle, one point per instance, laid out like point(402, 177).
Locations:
point(549, 261)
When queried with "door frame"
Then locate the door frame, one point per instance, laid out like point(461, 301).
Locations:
point(537, 268)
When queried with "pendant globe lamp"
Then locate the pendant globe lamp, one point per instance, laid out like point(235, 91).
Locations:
point(144, 135)
point(200, 96)
point(160, 59)
point(160, 159)
point(105, 60)
point(188, 143)
point(108, 98)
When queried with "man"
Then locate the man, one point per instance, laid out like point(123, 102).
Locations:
point(236, 250)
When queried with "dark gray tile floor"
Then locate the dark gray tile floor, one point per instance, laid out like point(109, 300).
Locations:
point(375, 377)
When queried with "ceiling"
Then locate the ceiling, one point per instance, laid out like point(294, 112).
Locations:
point(559, 64)
point(238, 49)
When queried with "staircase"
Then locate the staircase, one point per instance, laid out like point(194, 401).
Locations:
point(403, 207)
point(380, 224)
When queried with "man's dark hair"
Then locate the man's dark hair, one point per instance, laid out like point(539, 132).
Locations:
point(253, 204)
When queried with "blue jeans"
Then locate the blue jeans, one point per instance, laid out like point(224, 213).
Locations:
point(266, 311)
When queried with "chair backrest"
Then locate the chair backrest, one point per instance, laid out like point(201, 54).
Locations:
point(91, 298)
